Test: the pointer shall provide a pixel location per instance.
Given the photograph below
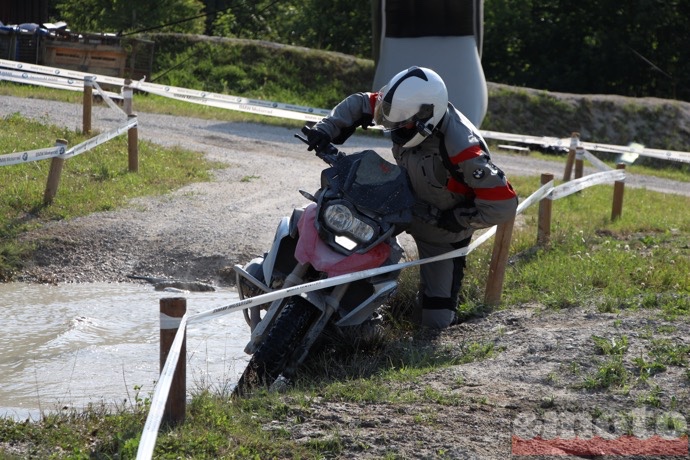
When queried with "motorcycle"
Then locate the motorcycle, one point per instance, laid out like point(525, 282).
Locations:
point(351, 224)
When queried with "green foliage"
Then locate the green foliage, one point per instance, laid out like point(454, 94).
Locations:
point(333, 25)
point(610, 373)
point(613, 346)
point(557, 44)
point(547, 44)
point(259, 70)
point(99, 16)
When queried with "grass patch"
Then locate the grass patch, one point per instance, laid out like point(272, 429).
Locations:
point(97, 180)
point(638, 261)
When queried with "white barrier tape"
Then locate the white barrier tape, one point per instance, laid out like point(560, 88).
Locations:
point(542, 192)
point(226, 101)
point(160, 395)
point(600, 165)
point(671, 155)
point(278, 109)
point(43, 80)
point(170, 322)
point(262, 109)
point(65, 73)
point(31, 155)
point(42, 154)
point(196, 95)
point(321, 284)
point(101, 138)
point(108, 100)
point(574, 186)
point(524, 139)
point(49, 81)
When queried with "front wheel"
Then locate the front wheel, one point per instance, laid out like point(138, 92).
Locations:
point(274, 353)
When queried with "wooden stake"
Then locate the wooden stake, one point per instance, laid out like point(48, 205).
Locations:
point(127, 94)
point(544, 224)
point(579, 162)
point(499, 259)
point(88, 103)
point(574, 141)
point(618, 189)
point(133, 146)
point(175, 406)
point(53, 182)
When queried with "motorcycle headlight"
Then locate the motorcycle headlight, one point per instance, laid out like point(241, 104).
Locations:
point(340, 219)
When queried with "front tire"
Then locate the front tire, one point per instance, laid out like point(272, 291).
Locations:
point(274, 353)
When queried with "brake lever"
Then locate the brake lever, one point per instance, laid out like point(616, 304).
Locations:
point(330, 154)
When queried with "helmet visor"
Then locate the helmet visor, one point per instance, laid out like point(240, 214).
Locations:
point(382, 112)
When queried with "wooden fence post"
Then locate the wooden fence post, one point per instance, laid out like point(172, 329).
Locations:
point(53, 182)
point(544, 224)
point(618, 189)
point(499, 259)
point(172, 309)
point(574, 141)
point(133, 146)
point(579, 162)
point(88, 103)
point(127, 95)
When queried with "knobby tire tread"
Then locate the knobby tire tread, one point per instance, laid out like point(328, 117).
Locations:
point(270, 359)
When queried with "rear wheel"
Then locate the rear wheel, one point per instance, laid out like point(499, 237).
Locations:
point(274, 353)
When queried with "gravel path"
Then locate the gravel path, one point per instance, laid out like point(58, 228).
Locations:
point(195, 231)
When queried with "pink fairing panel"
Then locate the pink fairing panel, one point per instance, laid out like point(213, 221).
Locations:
point(311, 249)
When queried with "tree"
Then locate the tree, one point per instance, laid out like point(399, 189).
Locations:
point(132, 15)
point(634, 48)
point(334, 25)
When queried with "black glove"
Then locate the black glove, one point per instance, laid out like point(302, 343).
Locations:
point(448, 221)
point(366, 121)
point(317, 140)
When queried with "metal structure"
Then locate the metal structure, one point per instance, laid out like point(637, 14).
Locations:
point(443, 35)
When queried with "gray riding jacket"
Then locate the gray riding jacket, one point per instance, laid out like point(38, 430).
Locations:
point(451, 169)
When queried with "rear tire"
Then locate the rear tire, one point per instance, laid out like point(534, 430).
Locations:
point(274, 353)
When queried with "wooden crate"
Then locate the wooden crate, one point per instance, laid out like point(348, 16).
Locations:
point(90, 57)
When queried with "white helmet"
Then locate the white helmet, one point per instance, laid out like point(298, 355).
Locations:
point(411, 105)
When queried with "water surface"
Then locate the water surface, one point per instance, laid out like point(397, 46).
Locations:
point(70, 345)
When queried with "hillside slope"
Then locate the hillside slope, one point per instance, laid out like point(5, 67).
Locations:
point(321, 78)
point(656, 123)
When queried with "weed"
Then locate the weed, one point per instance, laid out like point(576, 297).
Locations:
point(614, 346)
point(610, 373)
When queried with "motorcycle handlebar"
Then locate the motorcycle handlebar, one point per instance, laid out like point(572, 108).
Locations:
point(330, 154)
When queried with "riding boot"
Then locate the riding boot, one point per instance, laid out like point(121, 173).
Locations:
point(438, 312)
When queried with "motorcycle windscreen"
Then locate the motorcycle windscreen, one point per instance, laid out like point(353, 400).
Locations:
point(311, 249)
point(374, 184)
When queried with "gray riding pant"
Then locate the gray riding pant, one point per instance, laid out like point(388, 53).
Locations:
point(439, 283)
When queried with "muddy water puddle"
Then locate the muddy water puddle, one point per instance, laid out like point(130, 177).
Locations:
point(71, 345)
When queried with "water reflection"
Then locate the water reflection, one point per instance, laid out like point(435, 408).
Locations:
point(75, 344)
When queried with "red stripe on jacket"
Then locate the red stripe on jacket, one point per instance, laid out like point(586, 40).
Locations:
point(467, 154)
point(502, 192)
point(372, 100)
point(459, 188)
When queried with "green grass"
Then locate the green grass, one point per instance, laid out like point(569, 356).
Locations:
point(98, 180)
point(638, 261)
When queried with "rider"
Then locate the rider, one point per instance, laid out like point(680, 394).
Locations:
point(458, 188)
